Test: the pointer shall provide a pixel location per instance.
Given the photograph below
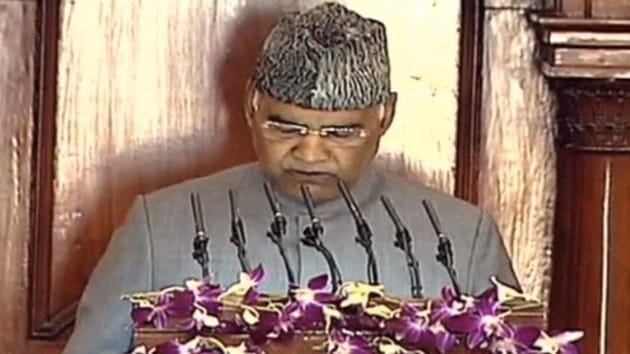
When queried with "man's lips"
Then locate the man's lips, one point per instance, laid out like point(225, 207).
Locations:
point(312, 176)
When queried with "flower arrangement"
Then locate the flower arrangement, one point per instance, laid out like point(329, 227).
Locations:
point(357, 319)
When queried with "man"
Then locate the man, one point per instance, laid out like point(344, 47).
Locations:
point(317, 106)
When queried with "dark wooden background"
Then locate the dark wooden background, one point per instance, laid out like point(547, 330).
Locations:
point(585, 55)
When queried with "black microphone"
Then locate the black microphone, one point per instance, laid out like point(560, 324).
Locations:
point(277, 230)
point(445, 250)
point(364, 237)
point(403, 242)
point(200, 242)
point(238, 234)
point(313, 238)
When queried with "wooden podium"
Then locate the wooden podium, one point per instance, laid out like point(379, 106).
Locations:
point(311, 342)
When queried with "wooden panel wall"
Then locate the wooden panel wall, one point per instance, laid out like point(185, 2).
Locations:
point(584, 54)
point(517, 180)
point(592, 267)
point(17, 81)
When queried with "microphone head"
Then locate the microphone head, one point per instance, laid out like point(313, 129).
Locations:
point(271, 198)
point(392, 213)
point(350, 202)
point(433, 217)
point(279, 224)
point(195, 202)
point(232, 198)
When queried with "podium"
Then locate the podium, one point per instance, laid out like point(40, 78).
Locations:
point(312, 342)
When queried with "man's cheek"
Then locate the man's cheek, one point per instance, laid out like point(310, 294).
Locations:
point(349, 164)
point(276, 158)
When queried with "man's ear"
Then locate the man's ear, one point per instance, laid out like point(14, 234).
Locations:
point(249, 104)
point(389, 112)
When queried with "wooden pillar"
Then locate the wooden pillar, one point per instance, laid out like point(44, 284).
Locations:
point(586, 58)
point(18, 48)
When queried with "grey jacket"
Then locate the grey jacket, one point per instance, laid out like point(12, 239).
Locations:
point(153, 248)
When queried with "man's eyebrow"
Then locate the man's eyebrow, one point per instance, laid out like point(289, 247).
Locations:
point(343, 126)
point(280, 119)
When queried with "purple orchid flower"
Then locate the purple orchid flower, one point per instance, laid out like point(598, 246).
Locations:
point(276, 325)
point(247, 283)
point(251, 297)
point(514, 340)
point(444, 340)
point(309, 301)
point(560, 343)
point(169, 307)
point(199, 346)
point(206, 305)
point(176, 347)
point(242, 349)
point(207, 297)
point(480, 323)
point(412, 329)
point(257, 274)
point(340, 343)
point(451, 305)
point(252, 279)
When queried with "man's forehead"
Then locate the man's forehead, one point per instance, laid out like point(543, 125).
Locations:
point(273, 108)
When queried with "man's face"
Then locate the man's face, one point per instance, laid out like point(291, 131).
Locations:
point(292, 153)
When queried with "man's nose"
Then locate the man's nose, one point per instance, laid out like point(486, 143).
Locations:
point(311, 148)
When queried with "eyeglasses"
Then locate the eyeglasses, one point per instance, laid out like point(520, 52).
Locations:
point(338, 136)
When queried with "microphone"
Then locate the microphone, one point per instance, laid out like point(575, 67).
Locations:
point(238, 234)
point(445, 251)
point(364, 237)
point(403, 242)
point(277, 230)
point(312, 238)
point(200, 242)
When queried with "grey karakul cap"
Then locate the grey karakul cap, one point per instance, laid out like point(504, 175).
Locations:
point(327, 58)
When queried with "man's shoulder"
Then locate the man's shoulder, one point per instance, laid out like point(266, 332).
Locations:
point(211, 186)
point(411, 193)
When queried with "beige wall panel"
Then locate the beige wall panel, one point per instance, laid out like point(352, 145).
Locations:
point(517, 3)
point(148, 96)
point(517, 181)
point(17, 48)
point(424, 51)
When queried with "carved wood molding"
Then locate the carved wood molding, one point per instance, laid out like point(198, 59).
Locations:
point(468, 145)
point(592, 115)
point(42, 323)
point(591, 48)
point(587, 61)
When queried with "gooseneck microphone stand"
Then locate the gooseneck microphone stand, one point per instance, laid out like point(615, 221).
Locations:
point(403, 242)
point(364, 234)
point(200, 242)
point(277, 231)
point(313, 238)
point(238, 234)
point(445, 250)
